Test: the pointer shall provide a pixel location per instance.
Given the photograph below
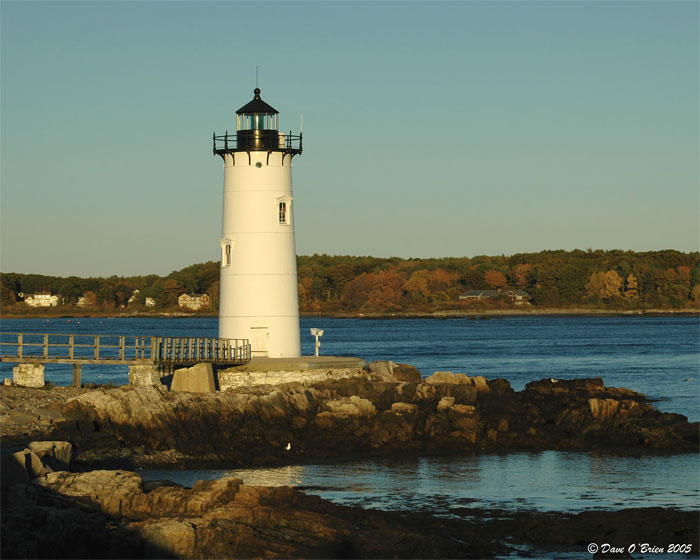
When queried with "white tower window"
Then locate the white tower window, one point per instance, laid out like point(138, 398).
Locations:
point(283, 213)
point(284, 210)
point(226, 252)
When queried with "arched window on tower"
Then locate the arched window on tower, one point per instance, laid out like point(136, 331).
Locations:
point(283, 213)
point(284, 210)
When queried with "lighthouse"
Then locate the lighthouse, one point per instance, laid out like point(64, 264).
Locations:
point(258, 297)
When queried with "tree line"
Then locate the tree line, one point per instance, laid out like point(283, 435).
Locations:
point(562, 279)
point(595, 279)
point(114, 292)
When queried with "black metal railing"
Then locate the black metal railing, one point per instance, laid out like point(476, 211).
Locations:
point(177, 350)
point(257, 140)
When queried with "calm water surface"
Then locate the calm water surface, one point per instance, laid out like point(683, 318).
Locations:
point(544, 481)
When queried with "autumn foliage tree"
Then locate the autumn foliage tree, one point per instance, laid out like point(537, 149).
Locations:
point(90, 298)
point(418, 285)
point(631, 286)
point(520, 274)
point(373, 291)
point(604, 284)
point(442, 284)
point(495, 279)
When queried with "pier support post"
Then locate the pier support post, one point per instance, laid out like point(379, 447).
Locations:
point(144, 375)
point(77, 374)
point(28, 375)
point(197, 379)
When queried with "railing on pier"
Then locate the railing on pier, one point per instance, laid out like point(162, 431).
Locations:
point(178, 350)
point(121, 349)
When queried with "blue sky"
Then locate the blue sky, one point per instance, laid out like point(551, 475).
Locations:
point(430, 128)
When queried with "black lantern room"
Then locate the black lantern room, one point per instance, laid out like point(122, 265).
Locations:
point(256, 131)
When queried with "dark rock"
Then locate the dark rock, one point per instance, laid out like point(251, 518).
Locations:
point(149, 485)
point(23, 416)
point(407, 373)
point(12, 469)
point(368, 414)
point(55, 454)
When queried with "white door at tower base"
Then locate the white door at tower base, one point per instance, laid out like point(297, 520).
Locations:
point(260, 341)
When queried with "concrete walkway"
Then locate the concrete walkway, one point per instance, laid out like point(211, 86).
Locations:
point(302, 363)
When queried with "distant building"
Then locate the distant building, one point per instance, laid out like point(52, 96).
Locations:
point(518, 297)
point(41, 300)
point(148, 301)
point(194, 302)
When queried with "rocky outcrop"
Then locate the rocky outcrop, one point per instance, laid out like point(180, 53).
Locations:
point(37, 459)
point(382, 411)
point(113, 514)
point(30, 413)
point(56, 455)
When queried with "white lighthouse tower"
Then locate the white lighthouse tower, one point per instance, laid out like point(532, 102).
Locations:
point(258, 291)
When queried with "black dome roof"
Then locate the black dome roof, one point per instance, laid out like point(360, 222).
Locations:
point(257, 105)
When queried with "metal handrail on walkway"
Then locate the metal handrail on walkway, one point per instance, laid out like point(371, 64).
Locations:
point(121, 349)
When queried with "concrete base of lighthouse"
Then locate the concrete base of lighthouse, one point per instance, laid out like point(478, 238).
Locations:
point(272, 337)
point(305, 370)
point(302, 363)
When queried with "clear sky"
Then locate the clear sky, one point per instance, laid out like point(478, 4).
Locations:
point(430, 128)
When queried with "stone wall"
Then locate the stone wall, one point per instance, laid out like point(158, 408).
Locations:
point(232, 379)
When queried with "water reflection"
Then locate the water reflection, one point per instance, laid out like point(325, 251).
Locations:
point(291, 475)
point(550, 480)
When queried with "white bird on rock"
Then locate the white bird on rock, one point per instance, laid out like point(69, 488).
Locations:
point(289, 446)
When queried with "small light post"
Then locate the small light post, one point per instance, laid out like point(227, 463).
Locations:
point(318, 333)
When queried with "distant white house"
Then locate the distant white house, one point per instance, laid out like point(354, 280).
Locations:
point(195, 302)
point(42, 299)
point(148, 301)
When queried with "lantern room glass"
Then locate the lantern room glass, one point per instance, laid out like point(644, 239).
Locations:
point(256, 121)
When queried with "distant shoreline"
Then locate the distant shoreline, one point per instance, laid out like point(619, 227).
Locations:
point(491, 313)
point(503, 312)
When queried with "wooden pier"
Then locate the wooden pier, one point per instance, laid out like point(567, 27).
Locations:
point(79, 349)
